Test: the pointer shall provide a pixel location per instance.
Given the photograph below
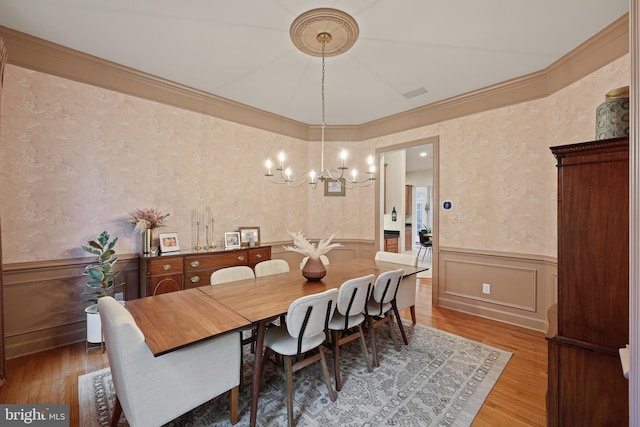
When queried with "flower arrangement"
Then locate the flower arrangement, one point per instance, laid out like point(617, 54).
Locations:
point(305, 247)
point(147, 219)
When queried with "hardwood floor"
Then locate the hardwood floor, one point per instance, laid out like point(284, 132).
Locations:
point(518, 398)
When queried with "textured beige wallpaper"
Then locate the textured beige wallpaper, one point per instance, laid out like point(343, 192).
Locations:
point(497, 169)
point(76, 159)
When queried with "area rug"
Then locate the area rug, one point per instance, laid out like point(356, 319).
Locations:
point(439, 379)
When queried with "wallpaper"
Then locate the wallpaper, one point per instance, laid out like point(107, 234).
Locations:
point(498, 171)
point(77, 159)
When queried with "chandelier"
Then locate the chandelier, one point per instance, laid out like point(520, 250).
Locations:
point(312, 32)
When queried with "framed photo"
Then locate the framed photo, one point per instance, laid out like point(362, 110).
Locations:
point(169, 242)
point(333, 187)
point(249, 236)
point(231, 240)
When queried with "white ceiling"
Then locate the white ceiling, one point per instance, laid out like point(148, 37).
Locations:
point(241, 49)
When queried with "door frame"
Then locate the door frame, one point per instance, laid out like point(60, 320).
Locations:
point(379, 209)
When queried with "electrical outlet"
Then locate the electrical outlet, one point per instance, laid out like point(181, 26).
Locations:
point(486, 288)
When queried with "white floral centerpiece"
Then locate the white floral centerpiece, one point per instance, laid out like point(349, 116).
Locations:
point(313, 269)
point(306, 248)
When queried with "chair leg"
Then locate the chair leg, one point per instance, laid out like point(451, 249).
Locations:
point(413, 314)
point(327, 378)
point(233, 404)
point(400, 326)
point(372, 334)
point(389, 319)
point(363, 343)
point(288, 379)
point(335, 338)
point(115, 415)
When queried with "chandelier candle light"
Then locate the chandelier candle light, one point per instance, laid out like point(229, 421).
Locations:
point(311, 32)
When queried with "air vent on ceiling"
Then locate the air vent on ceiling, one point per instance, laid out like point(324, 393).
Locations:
point(414, 93)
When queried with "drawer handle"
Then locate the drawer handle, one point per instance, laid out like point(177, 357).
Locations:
point(258, 256)
point(166, 267)
point(195, 263)
point(195, 279)
point(240, 258)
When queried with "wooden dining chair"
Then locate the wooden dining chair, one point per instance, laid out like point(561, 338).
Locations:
point(381, 308)
point(152, 391)
point(346, 324)
point(305, 330)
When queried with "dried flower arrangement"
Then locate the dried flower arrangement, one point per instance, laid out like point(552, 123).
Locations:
point(144, 219)
point(305, 247)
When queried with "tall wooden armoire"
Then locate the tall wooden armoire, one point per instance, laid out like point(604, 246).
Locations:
point(586, 383)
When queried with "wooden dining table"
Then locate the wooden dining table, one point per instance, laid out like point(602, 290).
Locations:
point(176, 319)
point(248, 303)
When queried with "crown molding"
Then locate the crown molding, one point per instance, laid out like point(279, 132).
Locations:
point(41, 55)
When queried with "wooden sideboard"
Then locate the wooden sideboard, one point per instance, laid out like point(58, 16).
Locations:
point(184, 270)
point(586, 383)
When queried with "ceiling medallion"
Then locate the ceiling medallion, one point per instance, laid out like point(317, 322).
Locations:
point(340, 26)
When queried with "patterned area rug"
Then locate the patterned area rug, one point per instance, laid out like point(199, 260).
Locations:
point(439, 379)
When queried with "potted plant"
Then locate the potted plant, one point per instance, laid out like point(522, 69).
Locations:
point(101, 280)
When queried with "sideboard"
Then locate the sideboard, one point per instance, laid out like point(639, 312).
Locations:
point(183, 270)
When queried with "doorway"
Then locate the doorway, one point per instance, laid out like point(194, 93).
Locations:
point(409, 185)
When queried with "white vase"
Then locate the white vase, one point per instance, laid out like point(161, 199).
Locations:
point(94, 326)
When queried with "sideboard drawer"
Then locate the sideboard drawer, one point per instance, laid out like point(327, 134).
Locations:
point(193, 279)
point(216, 260)
point(257, 255)
point(165, 266)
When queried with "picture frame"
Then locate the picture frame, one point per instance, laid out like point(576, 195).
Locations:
point(231, 239)
point(333, 188)
point(169, 242)
point(249, 235)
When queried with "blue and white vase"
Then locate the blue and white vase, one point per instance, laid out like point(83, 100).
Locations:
point(612, 116)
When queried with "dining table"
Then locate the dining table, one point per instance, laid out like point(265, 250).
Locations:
point(242, 304)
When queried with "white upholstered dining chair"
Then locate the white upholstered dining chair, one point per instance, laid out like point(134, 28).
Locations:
point(406, 297)
point(271, 266)
point(305, 330)
point(152, 391)
point(381, 308)
point(349, 317)
point(231, 274)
